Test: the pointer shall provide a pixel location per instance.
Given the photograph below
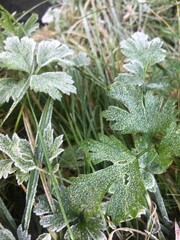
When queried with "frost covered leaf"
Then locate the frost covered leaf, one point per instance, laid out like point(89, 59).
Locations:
point(157, 160)
point(19, 151)
point(5, 234)
point(108, 149)
point(10, 88)
point(21, 176)
point(54, 221)
point(18, 54)
point(51, 51)
point(52, 146)
point(87, 192)
point(42, 207)
point(44, 236)
point(145, 113)
point(169, 145)
point(23, 234)
point(87, 230)
point(6, 168)
point(135, 74)
point(53, 83)
point(148, 179)
point(140, 49)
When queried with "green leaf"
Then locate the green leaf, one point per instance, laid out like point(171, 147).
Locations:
point(6, 168)
point(54, 221)
point(53, 83)
point(148, 179)
point(21, 176)
point(86, 192)
point(144, 113)
point(17, 97)
point(108, 149)
point(51, 51)
point(31, 25)
point(140, 49)
point(135, 74)
point(169, 145)
point(23, 234)
point(5, 234)
point(19, 151)
point(44, 236)
point(87, 230)
point(52, 146)
point(18, 54)
point(42, 206)
point(10, 88)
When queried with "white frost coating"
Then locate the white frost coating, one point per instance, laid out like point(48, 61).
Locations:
point(145, 113)
point(19, 151)
point(51, 51)
point(52, 146)
point(53, 83)
point(140, 49)
point(44, 236)
point(23, 234)
point(5, 168)
point(18, 54)
point(5, 234)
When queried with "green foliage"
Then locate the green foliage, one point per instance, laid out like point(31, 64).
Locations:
point(123, 173)
point(144, 113)
point(53, 83)
point(19, 152)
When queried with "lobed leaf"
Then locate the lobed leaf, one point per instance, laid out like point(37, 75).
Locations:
point(19, 151)
point(10, 88)
point(6, 168)
point(52, 146)
point(53, 83)
point(108, 149)
point(51, 51)
point(138, 48)
point(18, 54)
point(86, 192)
point(54, 221)
point(87, 230)
point(144, 113)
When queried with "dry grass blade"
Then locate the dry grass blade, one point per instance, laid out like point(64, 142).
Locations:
point(177, 231)
point(131, 230)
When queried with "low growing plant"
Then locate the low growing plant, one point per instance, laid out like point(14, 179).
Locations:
point(119, 191)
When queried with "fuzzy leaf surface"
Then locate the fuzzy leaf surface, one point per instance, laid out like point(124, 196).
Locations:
point(53, 83)
point(6, 168)
point(18, 54)
point(23, 234)
point(140, 49)
point(44, 236)
point(10, 88)
point(52, 145)
point(5, 234)
point(109, 149)
point(88, 230)
point(86, 192)
point(144, 113)
point(19, 151)
point(54, 221)
point(51, 51)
